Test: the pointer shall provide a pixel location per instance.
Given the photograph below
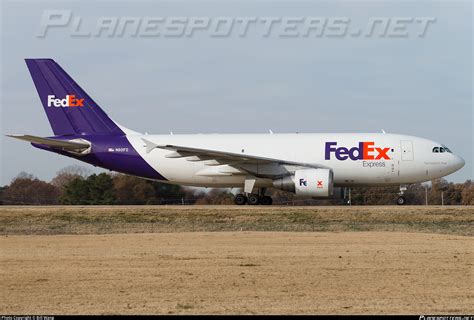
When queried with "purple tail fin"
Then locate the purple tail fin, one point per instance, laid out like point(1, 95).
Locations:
point(70, 110)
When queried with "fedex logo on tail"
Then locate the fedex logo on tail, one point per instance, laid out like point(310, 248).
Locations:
point(69, 101)
point(364, 151)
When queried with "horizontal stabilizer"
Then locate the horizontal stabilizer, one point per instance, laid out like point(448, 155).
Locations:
point(149, 145)
point(76, 145)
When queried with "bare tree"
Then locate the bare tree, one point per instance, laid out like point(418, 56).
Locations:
point(468, 193)
point(69, 173)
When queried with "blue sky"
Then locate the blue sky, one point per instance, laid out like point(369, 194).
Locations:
point(200, 84)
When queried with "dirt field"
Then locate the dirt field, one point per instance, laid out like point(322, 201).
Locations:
point(228, 260)
point(237, 272)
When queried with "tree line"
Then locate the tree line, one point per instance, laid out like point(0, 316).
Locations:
point(74, 185)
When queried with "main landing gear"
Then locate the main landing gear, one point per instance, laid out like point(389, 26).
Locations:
point(253, 199)
point(240, 199)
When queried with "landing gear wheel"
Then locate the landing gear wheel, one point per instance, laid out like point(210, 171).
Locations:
point(266, 201)
point(254, 199)
point(401, 201)
point(240, 199)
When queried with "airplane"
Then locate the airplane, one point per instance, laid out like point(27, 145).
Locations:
point(309, 165)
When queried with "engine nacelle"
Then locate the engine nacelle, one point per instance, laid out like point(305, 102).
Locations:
point(307, 182)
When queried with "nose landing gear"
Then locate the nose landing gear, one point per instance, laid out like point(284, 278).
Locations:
point(401, 199)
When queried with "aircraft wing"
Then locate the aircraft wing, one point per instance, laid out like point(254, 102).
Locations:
point(245, 163)
point(71, 145)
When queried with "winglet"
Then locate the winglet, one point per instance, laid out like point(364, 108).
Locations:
point(149, 145)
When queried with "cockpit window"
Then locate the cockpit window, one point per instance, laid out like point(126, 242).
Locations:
point(441, 149)
point(446, 149)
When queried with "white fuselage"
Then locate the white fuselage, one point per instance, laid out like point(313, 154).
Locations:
point(404, 159)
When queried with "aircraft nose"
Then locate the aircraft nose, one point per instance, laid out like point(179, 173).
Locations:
point(458, 162)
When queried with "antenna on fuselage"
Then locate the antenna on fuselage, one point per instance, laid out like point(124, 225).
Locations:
point(383, 131)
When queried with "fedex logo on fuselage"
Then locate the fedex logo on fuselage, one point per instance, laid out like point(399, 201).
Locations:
point(364, 151)
point(69, 101)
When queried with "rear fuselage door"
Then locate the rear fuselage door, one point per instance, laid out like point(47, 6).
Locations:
point(407, 150)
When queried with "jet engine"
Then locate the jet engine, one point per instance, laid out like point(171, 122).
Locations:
point(307, 182)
